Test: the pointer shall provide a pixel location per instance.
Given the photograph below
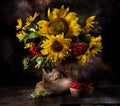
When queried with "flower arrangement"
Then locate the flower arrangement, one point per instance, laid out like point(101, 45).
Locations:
point(60, 38)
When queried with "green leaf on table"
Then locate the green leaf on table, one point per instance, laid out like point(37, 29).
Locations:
point(33, 95)
point(42, 93)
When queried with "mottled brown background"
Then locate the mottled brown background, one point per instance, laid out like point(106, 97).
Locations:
point(12, 52)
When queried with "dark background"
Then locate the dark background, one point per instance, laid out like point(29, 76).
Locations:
point(12, 53)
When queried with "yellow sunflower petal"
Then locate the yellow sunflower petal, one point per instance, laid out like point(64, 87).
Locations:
point(57, 13)
point(70, 16)
point(35, 15)
point(43, 24)
point(19, 26)
point(90, 23)
point(82, 59)
point(52, 15)
point(20, 34)
point(48, 14)
point(95, 45)
point(30, 19)
point(63, 11)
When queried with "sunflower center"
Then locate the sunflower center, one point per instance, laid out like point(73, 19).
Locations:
point(57, 26)
point(56, 46)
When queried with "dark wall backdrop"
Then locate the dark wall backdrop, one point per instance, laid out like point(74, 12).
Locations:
point(12, 52)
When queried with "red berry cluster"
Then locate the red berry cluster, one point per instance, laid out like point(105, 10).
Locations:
point(34, 50)
point(79, 85)
point(75, 85)
point(78, 48)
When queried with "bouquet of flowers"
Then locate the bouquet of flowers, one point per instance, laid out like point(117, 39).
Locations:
point(60, 38)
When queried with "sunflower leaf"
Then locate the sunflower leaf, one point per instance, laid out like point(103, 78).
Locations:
point(25, 63)
point(32, 35)
point(39, 61)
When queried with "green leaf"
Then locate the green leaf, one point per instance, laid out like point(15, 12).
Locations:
point(23, 37)
point(42, 93)
point(34, 95)
point(32, 30)
point(34, 58)
point(39, 61)
point(25, 62)
point(43, 70)
point(32, 35)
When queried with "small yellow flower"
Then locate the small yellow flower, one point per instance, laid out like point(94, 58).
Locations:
point(60, 21)
point(20, 34)
point(19, 26)
point(28, 45)
point(82, 59)
point(30, 19)
point(56, 47)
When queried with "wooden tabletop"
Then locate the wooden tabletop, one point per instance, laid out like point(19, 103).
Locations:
point(20, 94)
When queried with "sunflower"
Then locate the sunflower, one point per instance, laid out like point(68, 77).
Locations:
point(90, 22)
point(59, 20)
point(56, 47)
point(95, 45)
